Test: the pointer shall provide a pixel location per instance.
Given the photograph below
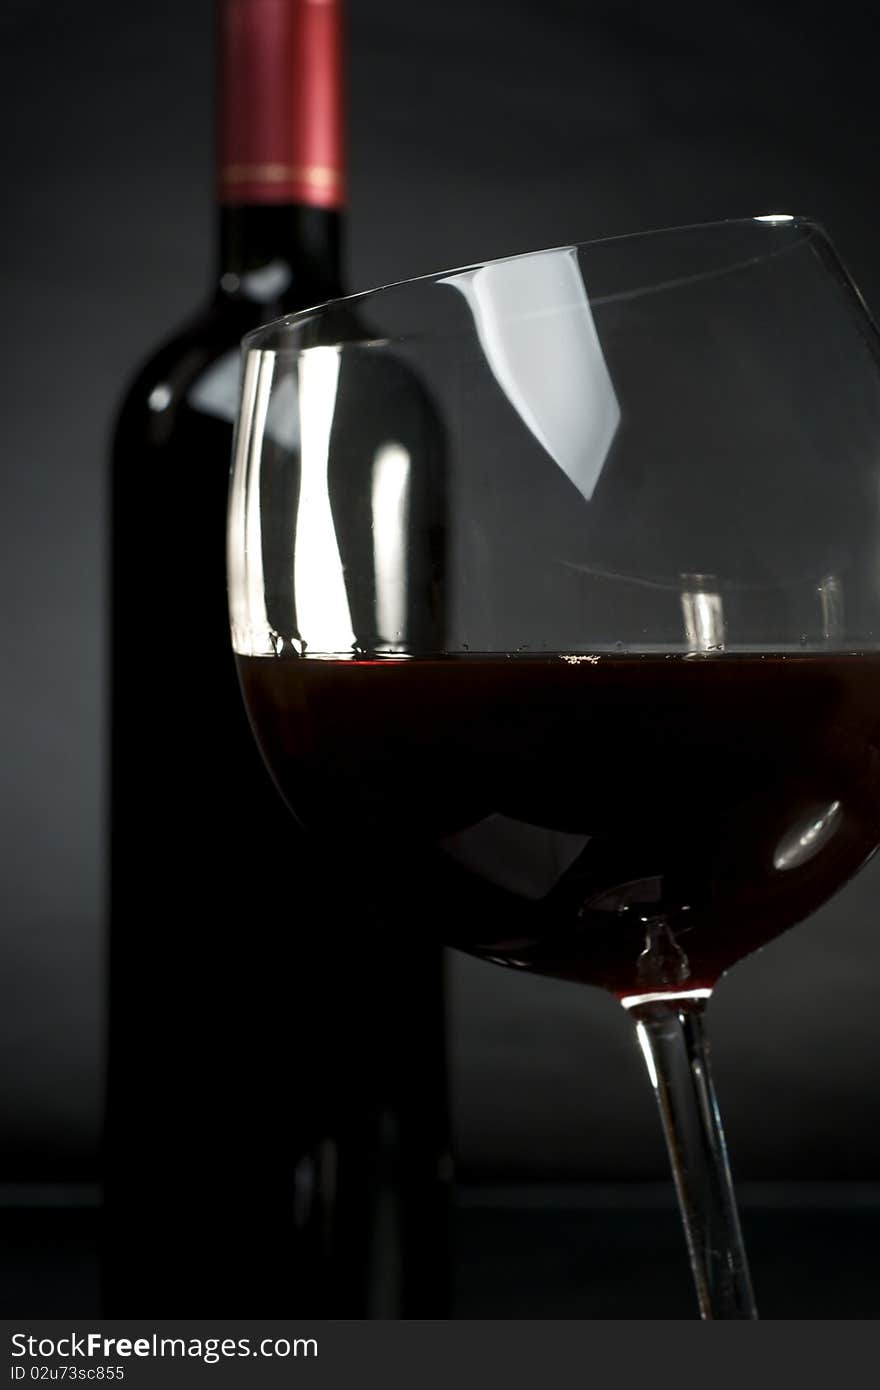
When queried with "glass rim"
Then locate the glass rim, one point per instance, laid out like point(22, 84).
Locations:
point(808, 226)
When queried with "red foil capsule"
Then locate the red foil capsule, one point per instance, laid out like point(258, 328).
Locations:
point(281, 118)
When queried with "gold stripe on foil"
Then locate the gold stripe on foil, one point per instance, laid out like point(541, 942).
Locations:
point(316, 175)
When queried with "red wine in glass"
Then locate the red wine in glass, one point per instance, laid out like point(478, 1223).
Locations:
point(638, 822)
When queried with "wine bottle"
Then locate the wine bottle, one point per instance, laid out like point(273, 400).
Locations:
point(276, 1110)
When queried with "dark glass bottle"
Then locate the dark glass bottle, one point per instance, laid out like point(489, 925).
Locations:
point(276, 1138)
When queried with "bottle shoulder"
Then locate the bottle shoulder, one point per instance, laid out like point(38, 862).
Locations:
point(197, 363)
point(193, 373)
point(169, 370)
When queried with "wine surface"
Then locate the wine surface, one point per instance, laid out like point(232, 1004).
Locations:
point(638, 822)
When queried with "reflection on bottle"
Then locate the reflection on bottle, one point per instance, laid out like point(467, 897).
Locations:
point(703, 613)
point(831, 598)
point(314, 1195)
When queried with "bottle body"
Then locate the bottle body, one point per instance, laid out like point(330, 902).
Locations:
point(257, 1118)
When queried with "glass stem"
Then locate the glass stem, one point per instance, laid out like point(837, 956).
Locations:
point(675, 1047)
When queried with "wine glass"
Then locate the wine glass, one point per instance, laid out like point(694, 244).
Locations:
point(593, 688)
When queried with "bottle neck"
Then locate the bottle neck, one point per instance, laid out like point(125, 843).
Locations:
point(280, 156)
point(286, 253)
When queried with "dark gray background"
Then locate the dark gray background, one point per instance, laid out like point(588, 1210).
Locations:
point(476, 130)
